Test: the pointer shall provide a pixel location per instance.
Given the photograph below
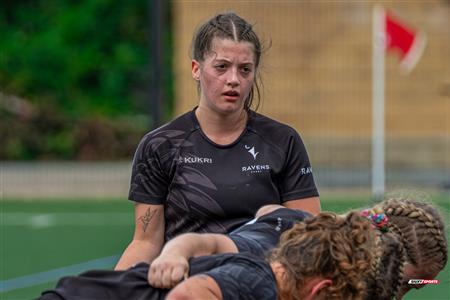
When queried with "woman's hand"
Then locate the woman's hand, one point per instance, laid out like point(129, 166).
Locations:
point(172, 265)
point(168, 270)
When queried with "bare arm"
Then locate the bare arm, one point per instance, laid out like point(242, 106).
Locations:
point(172, 264)
point(196, 287)
point(267, 209)
point(148, 236)
point(311, 205)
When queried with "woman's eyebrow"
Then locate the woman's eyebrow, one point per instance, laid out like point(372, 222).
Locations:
point(224, 60)
point(221, 60)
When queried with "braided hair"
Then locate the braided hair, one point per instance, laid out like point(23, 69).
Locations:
point(335, 247)
point(386, 271)
point(422, 230)
point(229, 26)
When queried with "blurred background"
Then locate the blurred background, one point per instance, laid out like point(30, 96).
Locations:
point(82, 81)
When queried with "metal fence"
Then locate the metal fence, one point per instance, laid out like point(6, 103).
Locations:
point(35, 180)
point(68, 180)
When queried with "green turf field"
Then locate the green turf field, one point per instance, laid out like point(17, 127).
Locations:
point(43, 240)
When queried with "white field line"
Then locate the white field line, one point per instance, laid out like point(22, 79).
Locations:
point(52, 275)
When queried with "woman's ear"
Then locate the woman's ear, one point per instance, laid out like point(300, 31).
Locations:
point(195, 70)
point(315, 289)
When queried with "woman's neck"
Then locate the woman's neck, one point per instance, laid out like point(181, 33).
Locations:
point(223, 129)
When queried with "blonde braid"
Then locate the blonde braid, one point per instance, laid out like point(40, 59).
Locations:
point(422, 231)
point(386, 270)
point(377, 254)
point(399, 233)
point(377, 247)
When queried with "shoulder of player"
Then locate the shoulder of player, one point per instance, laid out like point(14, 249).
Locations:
point(277, 135)
point(245, 258)
point(270, 128)
point(244, 274)
point(171, 133)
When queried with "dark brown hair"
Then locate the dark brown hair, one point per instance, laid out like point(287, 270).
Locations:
point(229, 26)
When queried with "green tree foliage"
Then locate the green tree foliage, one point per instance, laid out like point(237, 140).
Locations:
point(79, 64)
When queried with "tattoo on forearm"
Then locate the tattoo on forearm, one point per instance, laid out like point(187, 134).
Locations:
point(145, 219)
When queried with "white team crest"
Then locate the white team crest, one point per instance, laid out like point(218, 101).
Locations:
point(251, 151)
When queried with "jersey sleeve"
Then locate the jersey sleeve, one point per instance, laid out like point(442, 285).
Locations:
point(297, 180)
point(149, 182)
point(249, 280)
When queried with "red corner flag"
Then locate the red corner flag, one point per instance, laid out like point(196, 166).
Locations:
point(404, 40)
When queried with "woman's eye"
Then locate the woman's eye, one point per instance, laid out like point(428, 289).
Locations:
point(246, 70)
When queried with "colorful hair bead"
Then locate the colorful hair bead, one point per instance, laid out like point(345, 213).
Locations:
point(379, 220)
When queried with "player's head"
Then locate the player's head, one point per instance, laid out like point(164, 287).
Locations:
point(326, 257)
point(422, 230)
point(228, 26)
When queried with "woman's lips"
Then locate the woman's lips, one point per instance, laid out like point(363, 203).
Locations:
point(231, 95)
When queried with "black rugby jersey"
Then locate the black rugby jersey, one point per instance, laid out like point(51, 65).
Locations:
point(206, 187)
point(243, 276)
point(239, 276)
point(262, 234)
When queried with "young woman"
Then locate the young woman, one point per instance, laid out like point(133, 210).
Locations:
point(212, 168)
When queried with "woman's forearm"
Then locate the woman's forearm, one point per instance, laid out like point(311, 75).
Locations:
point(148, 237)
point(196, 244)
point(172, 264)
point(136, 252)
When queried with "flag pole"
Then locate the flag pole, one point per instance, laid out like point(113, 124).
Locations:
point(378, 109)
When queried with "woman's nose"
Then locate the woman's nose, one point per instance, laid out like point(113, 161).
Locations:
point(233, 78)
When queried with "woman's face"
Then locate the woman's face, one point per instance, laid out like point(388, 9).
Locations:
point(226, 75)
